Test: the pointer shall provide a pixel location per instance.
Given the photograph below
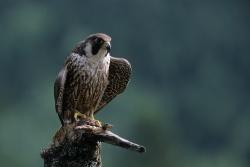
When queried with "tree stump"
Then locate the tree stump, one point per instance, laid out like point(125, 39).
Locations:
point(78, 145)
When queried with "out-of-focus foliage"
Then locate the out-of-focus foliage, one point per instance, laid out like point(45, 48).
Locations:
point(188, 101)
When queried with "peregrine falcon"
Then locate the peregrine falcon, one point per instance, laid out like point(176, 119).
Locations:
point(89, 79)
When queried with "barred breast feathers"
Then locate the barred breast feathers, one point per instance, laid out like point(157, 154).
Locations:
point(89, 63)
point(89, 80)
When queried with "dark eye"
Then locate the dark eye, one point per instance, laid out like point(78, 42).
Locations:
point(96, 45)
point(98, 41)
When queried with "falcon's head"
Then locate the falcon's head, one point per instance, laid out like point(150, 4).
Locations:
point(95, 46)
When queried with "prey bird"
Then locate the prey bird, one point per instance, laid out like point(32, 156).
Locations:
point(89, 79)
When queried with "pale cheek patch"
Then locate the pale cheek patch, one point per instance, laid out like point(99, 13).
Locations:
point(88, 50)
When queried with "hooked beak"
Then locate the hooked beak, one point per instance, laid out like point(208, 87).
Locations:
point(108, 46)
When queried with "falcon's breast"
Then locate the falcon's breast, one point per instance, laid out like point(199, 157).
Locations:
point(85, 85)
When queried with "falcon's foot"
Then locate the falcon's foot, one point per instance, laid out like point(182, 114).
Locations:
point(93, 122)
point(96, 123)
point(88, 120)
point(79, 116)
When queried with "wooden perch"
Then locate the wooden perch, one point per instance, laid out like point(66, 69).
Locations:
point(78, 145)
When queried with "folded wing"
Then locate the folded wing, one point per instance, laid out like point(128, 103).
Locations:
point(59, 87)
point(119, 76)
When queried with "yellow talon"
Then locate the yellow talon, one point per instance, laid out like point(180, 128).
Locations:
point(78, 115)
point(98, 123)
point(89, 119)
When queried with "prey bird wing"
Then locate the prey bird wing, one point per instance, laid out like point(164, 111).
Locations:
point(59, 88)
point(119, 76)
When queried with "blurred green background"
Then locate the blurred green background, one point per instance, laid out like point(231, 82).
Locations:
point(188, 100)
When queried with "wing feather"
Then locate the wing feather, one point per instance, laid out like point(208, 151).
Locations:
point(59, 87)
point(119, 76)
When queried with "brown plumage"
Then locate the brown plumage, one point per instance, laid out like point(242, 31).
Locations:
point(90, 79)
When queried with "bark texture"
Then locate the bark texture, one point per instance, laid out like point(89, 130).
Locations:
point(78, 145)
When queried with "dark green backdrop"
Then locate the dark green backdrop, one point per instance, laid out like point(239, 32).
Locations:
point(188, 101)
